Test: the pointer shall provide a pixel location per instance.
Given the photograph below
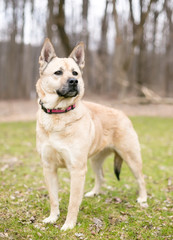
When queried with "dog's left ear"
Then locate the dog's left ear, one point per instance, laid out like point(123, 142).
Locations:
point(78, 54)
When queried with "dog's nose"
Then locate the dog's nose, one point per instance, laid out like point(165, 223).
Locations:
point(72, 82)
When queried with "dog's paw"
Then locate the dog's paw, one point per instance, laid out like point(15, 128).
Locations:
point(67, 226)
point(50, 219)
point(143, 202)
point(91, 194)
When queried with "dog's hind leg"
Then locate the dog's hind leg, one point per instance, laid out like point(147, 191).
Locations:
point(96, 163)
point(132, 157)
point(135, 164)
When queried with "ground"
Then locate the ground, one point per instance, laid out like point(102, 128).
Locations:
point(24, 200)
point(25, 110)
point(112, 215)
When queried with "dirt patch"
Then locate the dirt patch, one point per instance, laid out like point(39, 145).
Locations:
point(18, 110)
point(22, 110)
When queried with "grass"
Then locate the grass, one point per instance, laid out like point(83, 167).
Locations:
point(113, 215)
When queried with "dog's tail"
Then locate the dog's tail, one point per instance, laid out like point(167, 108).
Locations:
point(117, 165)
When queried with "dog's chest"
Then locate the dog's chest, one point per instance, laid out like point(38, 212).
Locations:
point(51, 124)
point(68, 136)
point(59, 122)
point(56, 144)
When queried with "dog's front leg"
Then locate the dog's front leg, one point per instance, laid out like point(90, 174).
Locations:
point(51, 179)
point(76, 194)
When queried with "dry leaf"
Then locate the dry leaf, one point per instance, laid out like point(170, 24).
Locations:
point(113, 200)
point(32, 219)
point(98, 224)
point(3, 235)
point(113, 220)
point(79, 235)
point(39, 234)
point(4, 167)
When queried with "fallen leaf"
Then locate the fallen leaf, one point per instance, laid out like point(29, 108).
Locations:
point(93, 232)
point(32, 219)
point(117, 200)
point(39, 234)
point(23, 221)
point(12, 197)
point(123, 218)
point(79, 235)
point(123, 213)
point(128, 205)
point(127, 186)
point(169, 181)
point(39, 226)
point(113, 220)
point(113, 200)
point(165, 208)
point(3, 235)
point(4, 167)
point(98, 224)
point(108, 200)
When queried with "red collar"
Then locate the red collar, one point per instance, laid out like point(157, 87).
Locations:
point(56, 111)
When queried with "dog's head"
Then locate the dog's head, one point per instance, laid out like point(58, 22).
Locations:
point(60, 83)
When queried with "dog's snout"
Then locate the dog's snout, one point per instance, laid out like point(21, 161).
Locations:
point(72, 81)
point(69, 89)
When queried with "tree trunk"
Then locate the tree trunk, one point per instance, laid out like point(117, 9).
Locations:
point(60, 22)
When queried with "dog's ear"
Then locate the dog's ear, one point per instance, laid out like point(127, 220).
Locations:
point(78, 54)
point(47, 53)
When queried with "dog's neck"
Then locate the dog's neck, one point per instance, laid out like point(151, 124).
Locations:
point(56, 111)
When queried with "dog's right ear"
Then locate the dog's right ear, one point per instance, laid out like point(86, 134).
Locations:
point(47, 53)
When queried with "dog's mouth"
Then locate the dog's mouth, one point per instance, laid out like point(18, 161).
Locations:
point(68, 93)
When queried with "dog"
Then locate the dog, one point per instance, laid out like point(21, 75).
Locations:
point(69, 131)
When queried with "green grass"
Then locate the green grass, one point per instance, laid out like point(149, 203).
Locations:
point(24, 199)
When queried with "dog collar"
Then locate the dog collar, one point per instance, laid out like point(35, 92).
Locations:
point(56, 111)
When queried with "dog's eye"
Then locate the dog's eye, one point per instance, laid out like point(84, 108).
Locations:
point(59, 72)
point(75, 73)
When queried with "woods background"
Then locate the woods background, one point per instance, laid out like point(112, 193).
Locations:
point(129, 44)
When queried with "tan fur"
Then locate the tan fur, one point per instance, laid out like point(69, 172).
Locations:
point(89, 131)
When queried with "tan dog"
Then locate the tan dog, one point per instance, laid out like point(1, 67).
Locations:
point(69, 131)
